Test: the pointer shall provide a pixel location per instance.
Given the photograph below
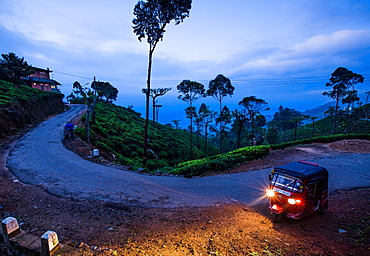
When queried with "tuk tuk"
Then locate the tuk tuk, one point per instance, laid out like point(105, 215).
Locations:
point(298, 189)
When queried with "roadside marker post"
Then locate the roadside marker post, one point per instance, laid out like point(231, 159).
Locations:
point(49, 243)
point(10, 227)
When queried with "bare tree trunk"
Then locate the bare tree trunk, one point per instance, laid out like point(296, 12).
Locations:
point(153, 109)
point(146, 126)
point(191, 133)
point(206, 140)
point(335, 117)
point(87, 124)
point(220, 127)
point(238, 137)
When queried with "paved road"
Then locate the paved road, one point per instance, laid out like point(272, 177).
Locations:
point(40, 158)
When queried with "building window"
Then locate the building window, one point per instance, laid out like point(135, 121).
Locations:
point(43, 75)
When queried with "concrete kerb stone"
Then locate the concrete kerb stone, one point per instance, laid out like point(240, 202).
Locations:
point(10, 227)
point(49, 243)
point(17, 240)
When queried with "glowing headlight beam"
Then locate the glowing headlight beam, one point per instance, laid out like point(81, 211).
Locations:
point(270, 193)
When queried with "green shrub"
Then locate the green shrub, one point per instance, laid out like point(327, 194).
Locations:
point(221, 162)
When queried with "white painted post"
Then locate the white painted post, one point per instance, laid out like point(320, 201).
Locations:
point(49, 243)
point(10, 227)
point(96, 152)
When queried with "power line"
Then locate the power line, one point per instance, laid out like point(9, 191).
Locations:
point(253, 81)
point(59, 72)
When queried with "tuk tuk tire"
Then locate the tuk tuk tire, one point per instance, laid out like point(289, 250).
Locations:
point(276, 217)
point(323, 210)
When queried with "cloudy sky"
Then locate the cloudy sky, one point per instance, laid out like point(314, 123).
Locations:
point(280, 51)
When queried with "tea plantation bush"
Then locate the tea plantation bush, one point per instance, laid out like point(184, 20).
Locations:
point(221, 162)
point(119, 130)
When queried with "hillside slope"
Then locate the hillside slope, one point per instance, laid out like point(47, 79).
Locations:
point(119, 130)
point(21, 106)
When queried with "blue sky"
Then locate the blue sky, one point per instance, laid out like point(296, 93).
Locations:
point(280, 51)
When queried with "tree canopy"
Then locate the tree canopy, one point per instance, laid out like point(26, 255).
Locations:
point(190, 91)
point(342, 82)
point(284, 118)
point(254, 106)
point(152, 17)
point(219, 88)
point(105, 90)
point(13, 68)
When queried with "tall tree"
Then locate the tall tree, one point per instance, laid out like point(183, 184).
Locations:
point(89, 96)
point(283, 119)
point(151, 19)
point(240, 118)
point(190, 91)
point(207, 118)
point(176, 123)
point(154, 94)
point(350, 99)
point(223, 120)
point(13, 68)
point(105, 90)
point(342, 80)
point(219, 88)
point(254, 106)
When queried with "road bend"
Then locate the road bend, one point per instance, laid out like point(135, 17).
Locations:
point(39, 158)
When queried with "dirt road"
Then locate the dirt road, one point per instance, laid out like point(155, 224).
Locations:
point(40, 158)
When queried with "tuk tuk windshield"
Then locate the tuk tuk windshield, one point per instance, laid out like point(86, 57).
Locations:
point(287, 183)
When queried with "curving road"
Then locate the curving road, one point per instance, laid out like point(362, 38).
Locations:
point(40, 158)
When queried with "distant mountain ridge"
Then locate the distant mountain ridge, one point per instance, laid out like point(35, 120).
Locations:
point(320, 110)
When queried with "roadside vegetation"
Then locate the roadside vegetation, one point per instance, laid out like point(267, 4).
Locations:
point(119, 130)
point(13, 94)
point(21, 106)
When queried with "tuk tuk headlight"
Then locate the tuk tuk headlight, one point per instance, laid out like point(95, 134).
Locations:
point(270, 192)
point(294, 201)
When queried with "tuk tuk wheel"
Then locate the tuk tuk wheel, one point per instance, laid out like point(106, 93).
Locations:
point(276, 217)
point(323, 210)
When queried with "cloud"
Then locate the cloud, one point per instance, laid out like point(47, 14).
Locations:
point(318, 51)
point(71, 25)
point(338, 42)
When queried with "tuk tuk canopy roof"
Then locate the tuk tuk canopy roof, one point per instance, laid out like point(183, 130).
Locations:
point(303, 170)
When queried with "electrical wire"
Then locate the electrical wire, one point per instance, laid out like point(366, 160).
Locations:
point(252, 81)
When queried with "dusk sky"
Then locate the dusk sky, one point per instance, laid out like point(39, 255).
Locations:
point(281, 51)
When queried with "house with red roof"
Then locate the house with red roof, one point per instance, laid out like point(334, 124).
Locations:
point(41, 80)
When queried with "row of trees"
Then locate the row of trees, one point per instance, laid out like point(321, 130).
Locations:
point(98, 91)
point(247, 126)
point(218, 122)
point(342, 83)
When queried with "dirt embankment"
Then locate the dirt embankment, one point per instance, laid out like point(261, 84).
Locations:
point(21, 114)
